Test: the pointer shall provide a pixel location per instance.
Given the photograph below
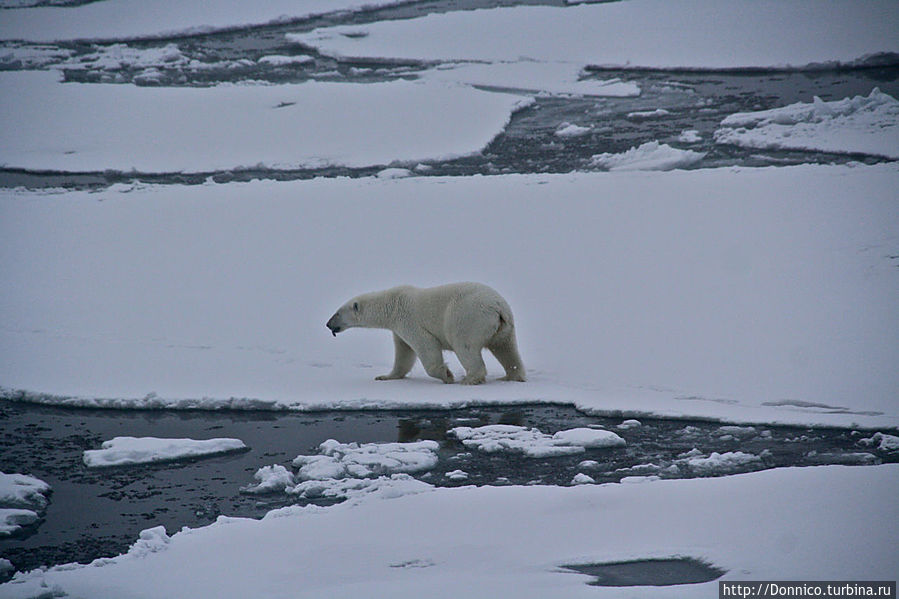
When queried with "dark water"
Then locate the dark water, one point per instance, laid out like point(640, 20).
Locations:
point(100, 512)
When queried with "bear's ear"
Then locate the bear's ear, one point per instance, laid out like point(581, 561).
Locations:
point(355, 306)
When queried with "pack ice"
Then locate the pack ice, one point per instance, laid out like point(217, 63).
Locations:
point(122, 451)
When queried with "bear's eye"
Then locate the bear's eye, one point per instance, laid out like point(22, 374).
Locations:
point(355, 306)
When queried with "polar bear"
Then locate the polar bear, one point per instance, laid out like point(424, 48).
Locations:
point(462, 317)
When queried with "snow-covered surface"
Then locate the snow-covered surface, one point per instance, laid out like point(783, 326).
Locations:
point(716, 462)
point(342, 460)
point(825, 523)
point(23, 499)
point(118, 19)
point(745, 295)
point(22, 490)
point(864, 125)
point(530, 442)
point(91, 127)
point(650, 156)
point(271, 479)
point(883, 442)
point(706, 34)
point(553, 78)
point(122, 451)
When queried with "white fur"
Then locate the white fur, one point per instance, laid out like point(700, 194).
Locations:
point(462, 317)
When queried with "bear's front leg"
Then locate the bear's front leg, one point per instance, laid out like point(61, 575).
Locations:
point(432, 359)
point(404, 359)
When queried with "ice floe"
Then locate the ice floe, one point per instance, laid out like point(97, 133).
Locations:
point(23, 500)
point(571, 130)
point(137, 19)
point(532, 443)
point(509, 541)
point(650, 156)
point(271, 479)
point(122, 451)
point(156, 297)
point(862, 124)
point(882, 441)
point(723, 463)
point(241, 126)
point(717, 34)
point(339, 460)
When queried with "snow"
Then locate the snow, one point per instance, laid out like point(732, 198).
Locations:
point(512, 541)
point(570, 130)
point(650, 156)
point(279, 60)
point(122, 19)
point(723, 463)
point(553, 78)
point(862, 125)
point(884, 442)
point(14, 519)
point(643, 115)
point(22, 490)
point(23, 499)
point(341, 460)
point(582, 479)
point(92, 127)
point(689, 136)
point(532, 443)
point(758, 296)
point(271, 479)
point(456, 475)
point(123, 451)
point(630, 423)
point(589, 438)
point(696, 34)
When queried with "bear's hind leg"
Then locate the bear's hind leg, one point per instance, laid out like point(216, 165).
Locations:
point(506, 352)
point(475, 369)
point(403, 361)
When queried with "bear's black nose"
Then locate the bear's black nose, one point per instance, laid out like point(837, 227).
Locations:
point(333, 326)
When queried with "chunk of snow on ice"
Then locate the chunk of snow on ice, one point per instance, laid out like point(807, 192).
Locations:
point(866, 125)
point(6, 567)
point(355, 489)
point(151, 540)
point(122, 451)
point(23, 491)
point(531, 442)
point(339, 460)
point(736, 431)
point(279, 60)
point(394, 173)
point(884, 442)
point(123, 56)
point(570, 130)
point(582, 479)
point(457, 475)
point(629, 424)
point(640, 469)
point(13, 519)
point(689, 136)
point(636, 480)
point(588, 465)
point(589, 438)
point(723, 463)
point(651, 156)
point(271, 479)
point(644, 115)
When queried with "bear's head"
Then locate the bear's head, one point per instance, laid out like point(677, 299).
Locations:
point(348, 316)
point(357, 312)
